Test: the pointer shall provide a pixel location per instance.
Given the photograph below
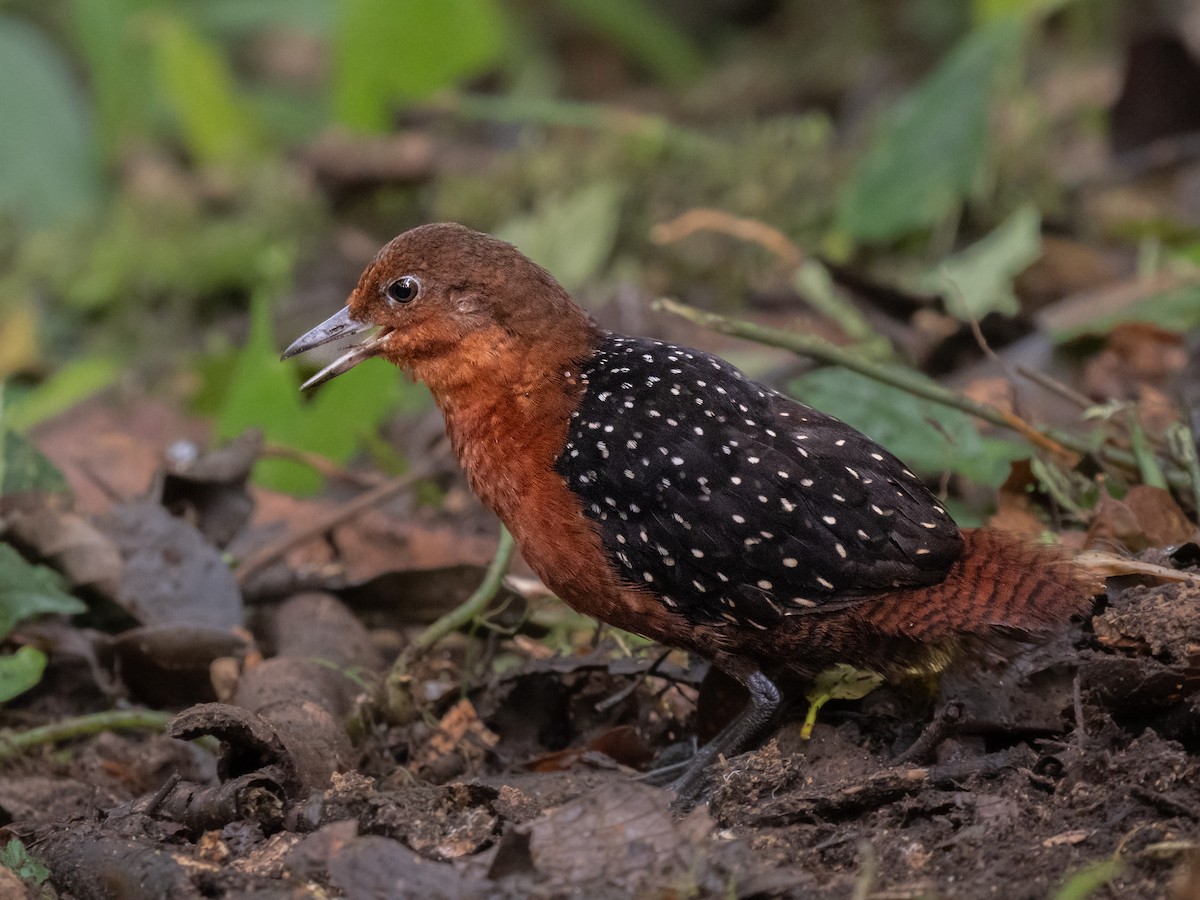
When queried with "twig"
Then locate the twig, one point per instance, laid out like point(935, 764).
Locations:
point(1054, 386)
point(321, 465)
point(823, 351)
point(702, 219)
point(944, 721)
point(609, 702)
point(268, 554)
point(14, 744)
point(879, 789)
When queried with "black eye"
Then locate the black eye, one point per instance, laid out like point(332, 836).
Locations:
point(403, 289)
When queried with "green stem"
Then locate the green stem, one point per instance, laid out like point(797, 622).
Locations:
point(465, 613)
point(14, 744)
point(394, 699)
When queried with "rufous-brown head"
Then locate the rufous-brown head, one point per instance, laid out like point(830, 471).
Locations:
point(450, 305)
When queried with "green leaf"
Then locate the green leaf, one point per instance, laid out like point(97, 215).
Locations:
point(388, 53)
point(20, 671)
point(573, 236)
point(214, 123)
point(838, 682)
point(24, 468)
point(27, 590)
point(903, 424)
point(979, 280)
point(1087, 881)
point(16, 858)
point(76, 381)
point(263, 394)
point(119, 68)
point(929, 155)
point(48, 167)
point(638, 28)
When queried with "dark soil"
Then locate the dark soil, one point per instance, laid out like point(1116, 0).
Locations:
point(517, 799)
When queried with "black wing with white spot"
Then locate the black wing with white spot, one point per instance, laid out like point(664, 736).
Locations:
point(732, 501)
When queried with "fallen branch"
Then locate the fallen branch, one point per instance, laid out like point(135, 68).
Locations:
point(880, 789)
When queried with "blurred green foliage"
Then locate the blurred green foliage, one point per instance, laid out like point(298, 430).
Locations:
point(26, 591)
point(154, 194)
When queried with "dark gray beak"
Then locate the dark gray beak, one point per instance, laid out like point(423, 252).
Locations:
point(337, 327)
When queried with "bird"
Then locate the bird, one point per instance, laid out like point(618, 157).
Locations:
point(658, 489)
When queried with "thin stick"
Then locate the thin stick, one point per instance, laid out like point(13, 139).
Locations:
point(268, 554)
point(1054, 386)
point(14, 744)
point(322, 465)
point(703, 219)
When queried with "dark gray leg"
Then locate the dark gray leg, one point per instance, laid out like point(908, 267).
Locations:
point(738, 735)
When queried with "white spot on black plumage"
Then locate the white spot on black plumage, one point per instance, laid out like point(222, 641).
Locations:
point(806, 482)
point(741, 520)
point(764, 584)
point(790, 562)
point(699, 554)
point(825, 583)
point(829, 520)
point(841, 551)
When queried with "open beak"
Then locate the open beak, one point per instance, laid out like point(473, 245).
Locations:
point(336, 327)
